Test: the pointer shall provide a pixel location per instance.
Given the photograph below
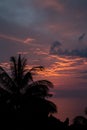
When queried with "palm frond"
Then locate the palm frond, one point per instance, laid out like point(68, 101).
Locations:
point(40, 88)
point(52, 108)
point(41, 91)
point(43, 82)
point(19, 71)
point(27, 79)
point(45, 105)
point(6, 82)
point(24, 63)
point(19, 65)
point(36, 69)
point(13, 67)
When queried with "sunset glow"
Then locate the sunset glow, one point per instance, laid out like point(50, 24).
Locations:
point(49, 33)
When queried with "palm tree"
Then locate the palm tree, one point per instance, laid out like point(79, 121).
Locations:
point(20, 86)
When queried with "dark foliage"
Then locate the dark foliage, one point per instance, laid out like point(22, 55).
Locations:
point(21, 98)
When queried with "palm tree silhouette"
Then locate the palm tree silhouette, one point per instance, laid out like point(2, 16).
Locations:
point(19, 90)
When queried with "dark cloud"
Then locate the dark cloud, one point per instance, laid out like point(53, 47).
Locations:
point(82, 74)
point(57, 49)
point(23, 12)
point(13, 29)
point(78, 53)
point(11, 47)
point(84, 77)
point(81, 37)
point(71, 93)
point(78, 5)
point(38, 15)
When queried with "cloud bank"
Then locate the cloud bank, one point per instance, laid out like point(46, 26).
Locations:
point(57, 49)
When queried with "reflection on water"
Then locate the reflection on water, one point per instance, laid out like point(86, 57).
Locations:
point(70, 107)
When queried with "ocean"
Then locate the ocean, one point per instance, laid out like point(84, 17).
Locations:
point(70, 107)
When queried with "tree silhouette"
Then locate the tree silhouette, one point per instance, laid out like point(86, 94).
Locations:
point(79, 122)
point(20, 93)
point(85, 111)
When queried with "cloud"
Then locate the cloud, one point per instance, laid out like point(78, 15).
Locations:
point(82, 37)
point(28, 40)
point(5, 65)
point(38, 16)
point(82, 74)
point(23, 52)
point(57, 49)
point(84, 77)
point(71, 93)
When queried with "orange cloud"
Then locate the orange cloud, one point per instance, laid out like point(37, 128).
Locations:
point(22, 52)
point(5, 65)
point(28, 40)
point(63, 66)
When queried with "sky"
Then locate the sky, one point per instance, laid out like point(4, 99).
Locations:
point(51, 33)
